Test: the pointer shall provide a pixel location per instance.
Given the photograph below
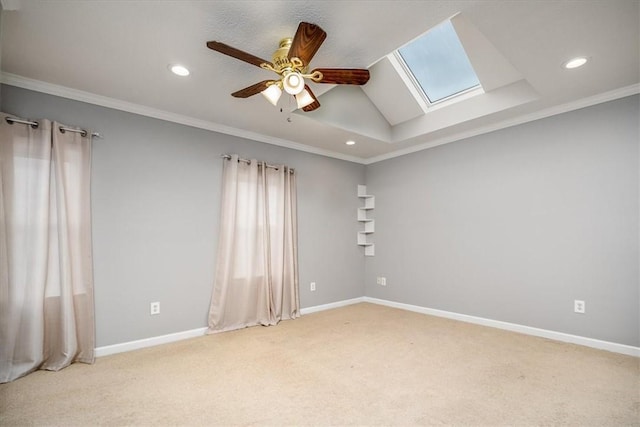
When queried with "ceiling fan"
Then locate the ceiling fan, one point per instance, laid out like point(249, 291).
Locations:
point(291, 61)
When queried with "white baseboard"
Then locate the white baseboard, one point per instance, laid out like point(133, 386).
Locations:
point(332, 305)
point(148, 342)
point(178, 336)
point(528, 330)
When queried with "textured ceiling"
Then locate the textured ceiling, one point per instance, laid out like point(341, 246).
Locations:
point(116, 53)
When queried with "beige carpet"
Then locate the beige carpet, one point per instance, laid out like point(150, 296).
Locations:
point(359, 365)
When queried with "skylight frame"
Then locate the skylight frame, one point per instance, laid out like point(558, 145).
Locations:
point(419, 89)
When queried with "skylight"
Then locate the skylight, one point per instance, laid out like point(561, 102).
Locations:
point(439, 64)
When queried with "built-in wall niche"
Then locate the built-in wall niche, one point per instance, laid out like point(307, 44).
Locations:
point(365, 234)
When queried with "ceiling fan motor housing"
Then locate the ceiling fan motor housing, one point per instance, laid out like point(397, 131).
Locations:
point(280, 58)
point(281, 61)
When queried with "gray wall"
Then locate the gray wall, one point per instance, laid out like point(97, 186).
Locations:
point(156, 202)
point(516, 224)
point(512, 225)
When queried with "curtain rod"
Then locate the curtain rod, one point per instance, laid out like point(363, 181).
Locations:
point(228, 157)
point(62, 129)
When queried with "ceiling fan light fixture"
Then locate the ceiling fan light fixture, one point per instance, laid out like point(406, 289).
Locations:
point(304, 98)
point(272, 93)
point(293, 83)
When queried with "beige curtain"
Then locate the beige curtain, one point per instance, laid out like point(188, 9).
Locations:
point(46, 277)
point(256, 280)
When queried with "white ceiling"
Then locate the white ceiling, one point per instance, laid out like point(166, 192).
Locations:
point(116, 53)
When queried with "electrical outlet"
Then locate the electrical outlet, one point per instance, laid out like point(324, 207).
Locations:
point(154, 308)
point(313, 286)
point(579, 306)
point(383, 281)
point(378, 280)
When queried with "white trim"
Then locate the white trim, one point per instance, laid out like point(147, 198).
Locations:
point(78, 95)
point(527, 330)
point(558, 109)
point(332, 305)
point(148, 342)
point(179, 336)
point(116, 104)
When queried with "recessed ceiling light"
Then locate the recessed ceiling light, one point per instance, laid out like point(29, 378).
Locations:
point(350, 143)
point(179, 70)
point(575, 62)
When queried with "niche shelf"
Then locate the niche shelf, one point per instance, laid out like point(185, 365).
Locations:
point(365, 235)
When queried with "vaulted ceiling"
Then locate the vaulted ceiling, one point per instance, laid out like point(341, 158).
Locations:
point(117, 54)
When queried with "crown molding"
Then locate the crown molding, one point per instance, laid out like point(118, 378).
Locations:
point(116, 104)
point(552, 111)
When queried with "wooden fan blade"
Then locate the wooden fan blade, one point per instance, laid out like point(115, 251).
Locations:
point(315, 104)
point(343, 76)
point(252, 90)
point(306, 42)
point(312, 106)
point(236, 53)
